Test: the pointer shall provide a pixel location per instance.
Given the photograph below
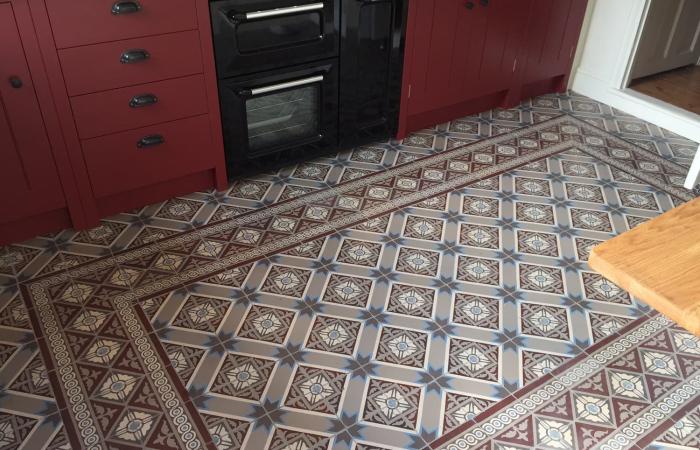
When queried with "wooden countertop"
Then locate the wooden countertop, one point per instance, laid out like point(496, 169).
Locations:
point(659, 262)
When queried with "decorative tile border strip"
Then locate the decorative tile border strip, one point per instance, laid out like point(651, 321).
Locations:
point(76, 397)
point(492, 422)
point(375, 178)
point(186, 421)
point(632, 432)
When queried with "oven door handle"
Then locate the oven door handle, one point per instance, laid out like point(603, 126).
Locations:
point(242, 17)
point(281, 86)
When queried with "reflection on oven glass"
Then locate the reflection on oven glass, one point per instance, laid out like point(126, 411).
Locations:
point(283, 117)
point(278, 32)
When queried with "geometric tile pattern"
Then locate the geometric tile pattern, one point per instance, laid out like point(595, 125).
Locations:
point(403, 347)
point(477, 311)
point(612, 396)
point(237, 339)
point(392, 404)
point(316, 389)
point(243, 377)
point(333, 335)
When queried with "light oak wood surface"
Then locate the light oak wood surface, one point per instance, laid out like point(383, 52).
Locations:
point(659, 262)
point(679, 87)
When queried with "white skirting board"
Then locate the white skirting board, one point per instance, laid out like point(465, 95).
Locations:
point(650, 109)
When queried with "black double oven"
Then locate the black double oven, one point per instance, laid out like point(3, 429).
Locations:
point(306, 76)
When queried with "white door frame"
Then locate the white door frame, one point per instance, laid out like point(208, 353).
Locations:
point(624, 74)
point(614, 91)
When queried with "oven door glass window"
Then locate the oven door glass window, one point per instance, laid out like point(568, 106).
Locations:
point(278, 119)
point(278, 31)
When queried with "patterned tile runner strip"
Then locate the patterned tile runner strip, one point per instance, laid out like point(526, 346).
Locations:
point(100, 347)
point(621, 393)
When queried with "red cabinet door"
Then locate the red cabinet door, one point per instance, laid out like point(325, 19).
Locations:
point(464, 49)
point(553, 31)
point(433, 58)
point(28, 178)
point(491, 66)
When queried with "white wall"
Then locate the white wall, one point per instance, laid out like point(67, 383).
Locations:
point(607, 45)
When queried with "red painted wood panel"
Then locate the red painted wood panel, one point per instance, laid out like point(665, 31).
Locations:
point(155, 184)
point(218, 159)
point(97, 67)
point(176, 99)
point(469, 55)
point(156, 192)
point(115, 163)
point(554, 29)
point(434, 33)
point(81, 22)
point(462, 55)
point(502, 38)
point(28, 174)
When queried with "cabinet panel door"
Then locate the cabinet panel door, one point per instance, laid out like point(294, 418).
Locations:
point(437, 53)
point(553, 33)
point(27, 169)
point(464, 49)
point(494, 44)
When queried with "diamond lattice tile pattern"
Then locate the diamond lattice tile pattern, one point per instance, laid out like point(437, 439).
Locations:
point(381, 334)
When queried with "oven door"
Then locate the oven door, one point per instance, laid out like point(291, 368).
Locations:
point(294, 108)
point(256, 35)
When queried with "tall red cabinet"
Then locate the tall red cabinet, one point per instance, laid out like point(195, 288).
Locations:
point(35, 179)
point(467, 56)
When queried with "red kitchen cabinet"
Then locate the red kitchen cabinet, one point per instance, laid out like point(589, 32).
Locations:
point(462, 53)
point(490, 66)
point(553, 31)
point(28, 171)
point(104, 107)
point(467, 56)
point(434, 30)
point(33, 198)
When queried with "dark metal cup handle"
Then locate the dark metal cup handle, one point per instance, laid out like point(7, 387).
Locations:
point(125, 8)
point(139, 101)
point(134, 56)
point(150, 141)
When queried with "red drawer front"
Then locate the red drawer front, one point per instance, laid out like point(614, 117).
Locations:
point(97, 67)
point(111, 111)
point(116, 164)
point(82, 22)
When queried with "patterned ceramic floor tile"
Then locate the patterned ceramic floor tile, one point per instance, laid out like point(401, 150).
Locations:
point(380, 315)
point(622, 395)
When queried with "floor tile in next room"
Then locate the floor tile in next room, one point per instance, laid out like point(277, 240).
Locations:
point(383, 297)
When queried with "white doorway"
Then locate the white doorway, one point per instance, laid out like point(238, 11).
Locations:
point(613, 31)
point(665, 64)
point(669, 38)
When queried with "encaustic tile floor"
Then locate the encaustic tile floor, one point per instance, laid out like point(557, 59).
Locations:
point(432, 292)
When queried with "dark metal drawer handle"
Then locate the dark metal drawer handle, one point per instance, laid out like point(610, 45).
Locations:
point(139, 101)
point(150, 141)
point(134, 56)
point(125, 8)
point(484, 2)
point(469, 5)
